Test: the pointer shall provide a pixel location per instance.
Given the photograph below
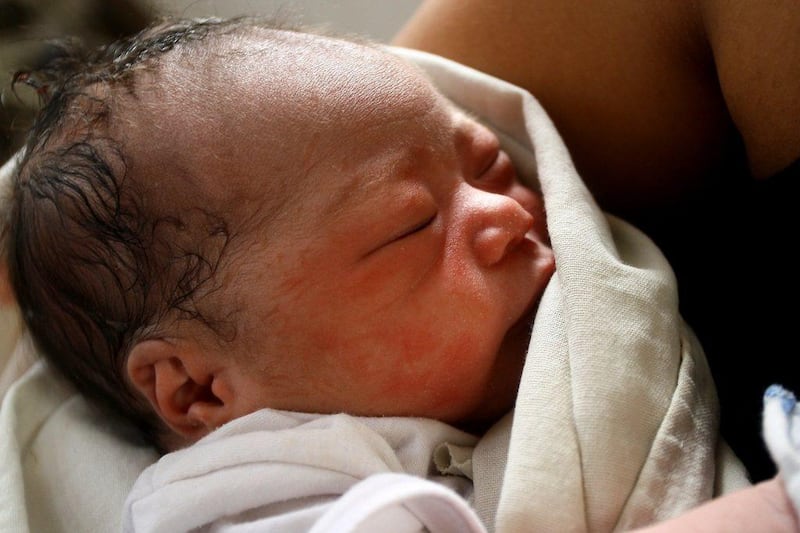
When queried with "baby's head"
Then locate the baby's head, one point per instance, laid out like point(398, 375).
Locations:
point(219, 217)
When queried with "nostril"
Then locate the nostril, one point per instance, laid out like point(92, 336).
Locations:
point(494, 223)
point(491, 245)
point(494, 242)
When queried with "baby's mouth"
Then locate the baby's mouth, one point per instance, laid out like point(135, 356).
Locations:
point(546, 266)
point(526, 319)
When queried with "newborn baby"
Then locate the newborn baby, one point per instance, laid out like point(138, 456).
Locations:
point(225, 217)
point(215, 218)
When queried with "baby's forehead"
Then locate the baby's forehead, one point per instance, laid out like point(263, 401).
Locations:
point(274, 82)
point(243, 125)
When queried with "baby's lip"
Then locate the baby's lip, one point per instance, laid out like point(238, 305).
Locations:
point(522, 241)
point(538, 230)
point(528, 243)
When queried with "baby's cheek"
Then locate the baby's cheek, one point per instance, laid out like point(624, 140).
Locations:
point(436, 377)
point(402, 369)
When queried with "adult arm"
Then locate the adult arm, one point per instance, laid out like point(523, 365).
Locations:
point(649, 96)
point(756, 49)
point(761, 508)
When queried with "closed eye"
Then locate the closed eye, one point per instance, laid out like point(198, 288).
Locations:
point(410, 231)
point(489, 162)
point(499, 174)
point(416, 228)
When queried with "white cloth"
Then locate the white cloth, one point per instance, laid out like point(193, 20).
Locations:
point(281, 471)
point(63, 469)
point(399, 503)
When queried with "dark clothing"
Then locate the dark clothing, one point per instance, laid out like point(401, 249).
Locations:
point(732, 247)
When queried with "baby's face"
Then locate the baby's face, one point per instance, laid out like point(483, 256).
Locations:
point(401, 277)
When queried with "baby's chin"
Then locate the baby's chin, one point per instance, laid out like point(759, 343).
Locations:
point(501, 392)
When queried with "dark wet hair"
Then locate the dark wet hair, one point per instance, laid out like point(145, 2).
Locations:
point(92, 267)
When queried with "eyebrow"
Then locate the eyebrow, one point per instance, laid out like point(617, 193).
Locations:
point(355, 188)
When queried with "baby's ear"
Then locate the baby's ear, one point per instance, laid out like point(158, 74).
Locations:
point(184, 388)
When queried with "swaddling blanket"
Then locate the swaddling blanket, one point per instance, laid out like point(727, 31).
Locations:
point(615, 421)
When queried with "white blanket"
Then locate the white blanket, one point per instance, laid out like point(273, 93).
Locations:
point(281, 471)
point(615, 421)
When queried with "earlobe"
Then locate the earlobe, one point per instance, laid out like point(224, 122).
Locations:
point(176, 379)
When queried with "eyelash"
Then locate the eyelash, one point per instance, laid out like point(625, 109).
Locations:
point(416, 229)
point(489, 165)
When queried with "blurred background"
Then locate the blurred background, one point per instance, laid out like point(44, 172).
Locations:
point(26, 25)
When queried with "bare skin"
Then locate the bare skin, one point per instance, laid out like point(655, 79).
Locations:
point(650, 97)
point(760, 508)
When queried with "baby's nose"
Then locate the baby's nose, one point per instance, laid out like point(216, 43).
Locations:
point(501, 224)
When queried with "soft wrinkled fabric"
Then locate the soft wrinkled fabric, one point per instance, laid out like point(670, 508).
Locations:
point(285, 472)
